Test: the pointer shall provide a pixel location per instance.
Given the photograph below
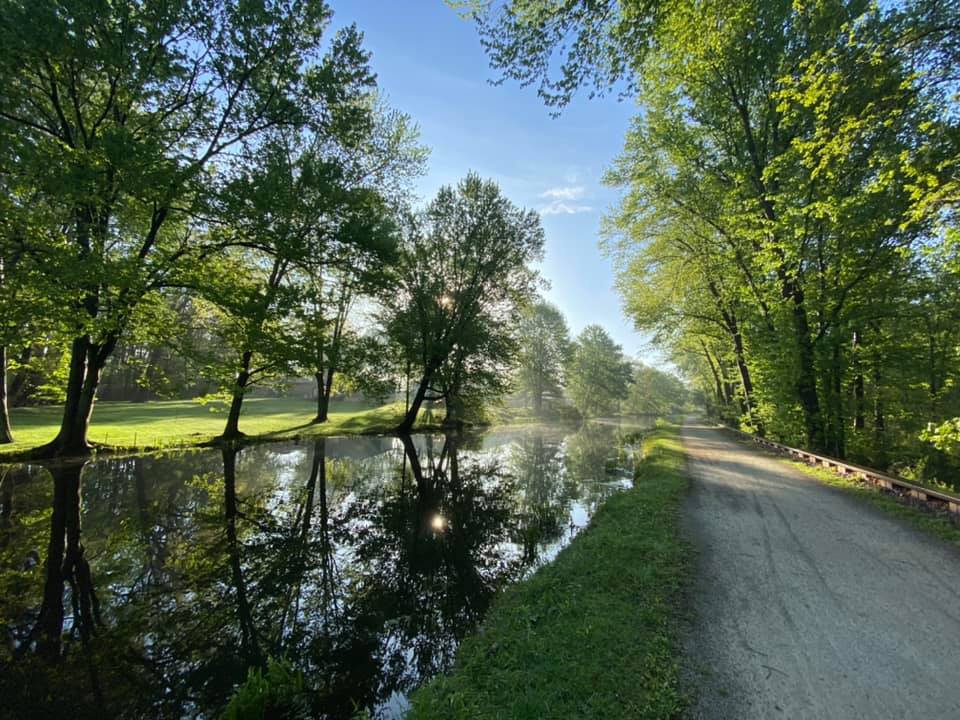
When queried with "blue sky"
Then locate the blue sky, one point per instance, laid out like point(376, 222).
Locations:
point(430, 65)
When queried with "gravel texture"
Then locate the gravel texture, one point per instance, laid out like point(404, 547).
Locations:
point(809, 603)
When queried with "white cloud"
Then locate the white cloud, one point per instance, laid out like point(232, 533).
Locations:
point(570, 192)
point(563, 201)
point(558, 207)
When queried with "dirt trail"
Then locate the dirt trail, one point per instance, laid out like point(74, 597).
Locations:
point(809, 603)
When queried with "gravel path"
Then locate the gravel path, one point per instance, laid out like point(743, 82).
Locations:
point(809, 603)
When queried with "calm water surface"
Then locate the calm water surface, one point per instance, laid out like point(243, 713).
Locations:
point(147, 586)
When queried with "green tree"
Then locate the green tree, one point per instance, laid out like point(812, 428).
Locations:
point(377, 168)
point(293, 213)
point(793, 166)
point(117, 115)
point(464, 275)
point(544, 349)
point(597, 374)
point(655, 392)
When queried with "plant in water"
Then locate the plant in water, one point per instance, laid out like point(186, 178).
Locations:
point(280, 693)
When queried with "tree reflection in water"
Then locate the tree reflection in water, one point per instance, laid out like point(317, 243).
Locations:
point(361, 562)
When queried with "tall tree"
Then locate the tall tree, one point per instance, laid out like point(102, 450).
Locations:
point(377, 169)
point(544, 349)
point(791, 163)
point(597, 374)
point(290, 217)
point(464, 275)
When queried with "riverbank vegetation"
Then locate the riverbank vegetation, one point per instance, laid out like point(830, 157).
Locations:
point(592, 634)
point(787, 226)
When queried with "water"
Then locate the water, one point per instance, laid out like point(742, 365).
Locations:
point(146, 586)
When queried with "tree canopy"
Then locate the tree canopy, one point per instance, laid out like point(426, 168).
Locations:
point(544, 350)
point(463, 278)
point(789, 191)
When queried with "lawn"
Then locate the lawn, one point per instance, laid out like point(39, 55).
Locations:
point(177, 423)
point(592, 634)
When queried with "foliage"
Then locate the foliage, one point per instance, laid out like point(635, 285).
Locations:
point(115, 116)
point(597, 373)
point(464, 275)
point(944, 437)
point(187, 180)
point(544, 351)
point(280, 693)
point(654, 392)
point(789, 200)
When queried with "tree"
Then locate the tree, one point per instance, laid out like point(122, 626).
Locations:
point(655, 392)
point(290, 217)
point(793, 166)
point(377, 168)
point(544, 348)
point(117, 114)
point(598, 374)
point(462, 279)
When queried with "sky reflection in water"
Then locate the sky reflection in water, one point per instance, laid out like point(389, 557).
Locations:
point(146, 586)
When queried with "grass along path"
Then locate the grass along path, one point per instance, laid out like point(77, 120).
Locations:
point(181, 423)
point(592, 634)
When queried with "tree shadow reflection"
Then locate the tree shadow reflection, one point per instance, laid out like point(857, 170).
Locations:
point(361, 565)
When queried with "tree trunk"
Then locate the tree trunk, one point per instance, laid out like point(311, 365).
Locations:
point(323, 400)
point(858, 394)
point(726, 384)
point(324, 390)
point(879, 422)
point(718, 388)
point(746, 382)
point(455, 412)
point(19, 384)
point(6, 497)
point(87, 360)
point(6, 434)
point(837, 437)
point(807, 375)
point(232, 429)
point(414, 410)
point(538, 395)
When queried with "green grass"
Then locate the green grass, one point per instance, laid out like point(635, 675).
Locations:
point(180, 423)
point(938, 525)
point(592, 634)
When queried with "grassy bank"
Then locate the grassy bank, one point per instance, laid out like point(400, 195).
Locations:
point(154, 425)
point(592, 635)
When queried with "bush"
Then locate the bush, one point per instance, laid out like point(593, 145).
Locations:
point(277, 694)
